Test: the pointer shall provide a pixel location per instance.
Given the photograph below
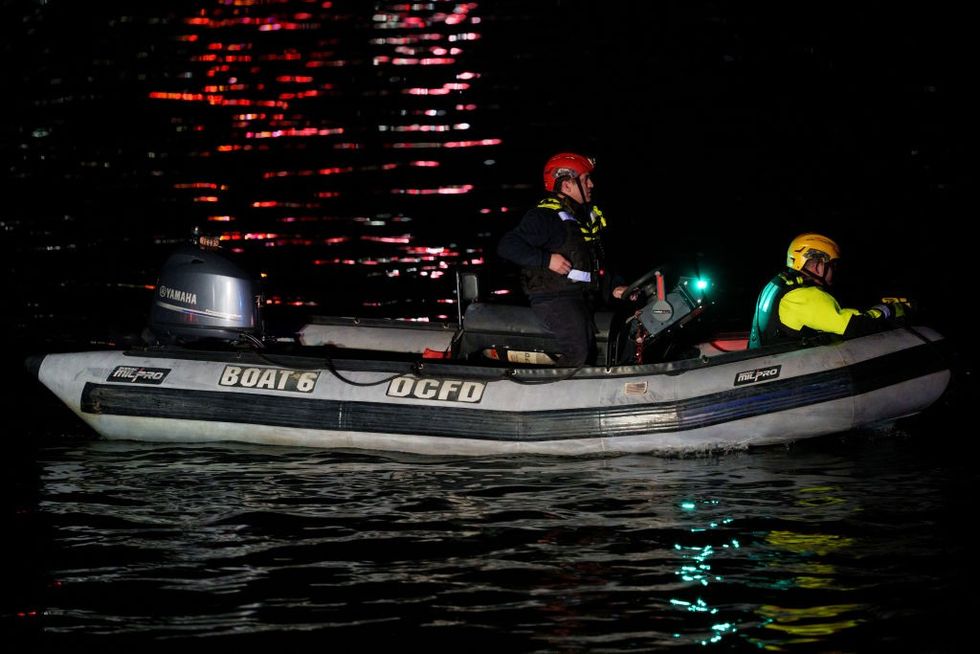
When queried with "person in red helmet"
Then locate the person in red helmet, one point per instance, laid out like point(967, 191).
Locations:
point(559, 248)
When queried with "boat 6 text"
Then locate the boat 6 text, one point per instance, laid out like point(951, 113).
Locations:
point(273, 379)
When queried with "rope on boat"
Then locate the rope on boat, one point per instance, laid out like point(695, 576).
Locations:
point(416, 368)
point(511, 375)
point(385, 380)
point(328, 365)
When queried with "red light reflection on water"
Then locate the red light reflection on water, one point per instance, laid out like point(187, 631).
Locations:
point(444, 190)
point(261, 102)
point(388, 239)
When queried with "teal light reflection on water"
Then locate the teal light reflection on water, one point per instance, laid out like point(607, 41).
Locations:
point(696, 568)
point(697, 606)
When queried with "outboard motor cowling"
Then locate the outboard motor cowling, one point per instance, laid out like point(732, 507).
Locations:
point(200, 295)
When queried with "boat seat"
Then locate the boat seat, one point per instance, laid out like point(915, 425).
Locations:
point(503, 319)
point(516, 327)
point(517, 319)
point(490, 327)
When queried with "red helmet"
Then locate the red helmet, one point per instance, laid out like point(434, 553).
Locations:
point(565, 165)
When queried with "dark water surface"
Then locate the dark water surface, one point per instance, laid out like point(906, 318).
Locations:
point(850, 544)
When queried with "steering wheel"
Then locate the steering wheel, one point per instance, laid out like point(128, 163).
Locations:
point(641, 282)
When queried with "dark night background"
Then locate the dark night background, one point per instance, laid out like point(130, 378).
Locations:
point(722, 129)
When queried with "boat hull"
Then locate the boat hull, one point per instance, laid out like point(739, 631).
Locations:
point(731, 401)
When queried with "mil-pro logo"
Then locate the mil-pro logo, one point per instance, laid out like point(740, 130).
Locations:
point(759, 374)
point(137, 375)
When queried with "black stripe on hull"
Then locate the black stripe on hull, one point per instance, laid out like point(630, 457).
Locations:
point(484, 424)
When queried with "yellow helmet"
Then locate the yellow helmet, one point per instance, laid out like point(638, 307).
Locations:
point(810, 246)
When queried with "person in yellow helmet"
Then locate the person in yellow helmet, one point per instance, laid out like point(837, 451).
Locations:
point(797, 302)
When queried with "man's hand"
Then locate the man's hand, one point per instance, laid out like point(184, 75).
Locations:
point(559, 264)
point(618, 292)
point(893, 307)
point(900, 306)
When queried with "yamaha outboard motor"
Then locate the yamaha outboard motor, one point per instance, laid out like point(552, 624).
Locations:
point(200, 295)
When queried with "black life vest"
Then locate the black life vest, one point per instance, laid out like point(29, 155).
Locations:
point(581, 246)
point(766, 326)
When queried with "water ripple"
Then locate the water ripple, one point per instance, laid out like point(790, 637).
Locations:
point(784, 548)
